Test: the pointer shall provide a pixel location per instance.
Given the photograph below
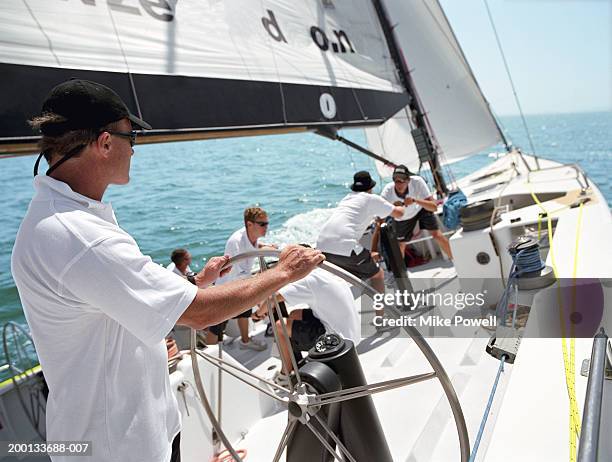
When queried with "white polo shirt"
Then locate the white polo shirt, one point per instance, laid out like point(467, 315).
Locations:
point(330, 299)
point(172, 267)
point(98, 310)
point(341, 233)
point(238, 243)
point(417, 189)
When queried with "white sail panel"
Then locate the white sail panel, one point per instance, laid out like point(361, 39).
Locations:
point(392, 140)
point(196, 69)
point(455, 108)
point(270, 40)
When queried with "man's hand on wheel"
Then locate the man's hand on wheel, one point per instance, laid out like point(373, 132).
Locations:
point(211, 272)
point(295, 261)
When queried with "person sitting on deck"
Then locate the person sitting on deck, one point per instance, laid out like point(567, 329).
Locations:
point(181, 258)
point(412, 191)
point(180, 261)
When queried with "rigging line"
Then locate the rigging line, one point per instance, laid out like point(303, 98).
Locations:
point(445, 164)
point(43, 32)
point(504, 132)
point(483, 422)
point(349, 151)
point(129, 72)
point(516, 98)
point(280, 84)
point(348, 78)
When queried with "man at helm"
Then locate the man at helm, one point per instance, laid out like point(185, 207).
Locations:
point(99, 309)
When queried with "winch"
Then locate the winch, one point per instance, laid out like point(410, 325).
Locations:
point(528, 268)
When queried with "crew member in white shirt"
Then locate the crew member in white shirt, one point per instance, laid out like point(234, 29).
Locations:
point(246, 239)
point(179, 264)
point(98, 309)
point(339, 237)
point(180, 261)
point(331, 308)
point(412, 191)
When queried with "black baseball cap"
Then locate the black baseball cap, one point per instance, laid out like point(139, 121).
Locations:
point(85, 104)
point(362, 181)
point(401, 171)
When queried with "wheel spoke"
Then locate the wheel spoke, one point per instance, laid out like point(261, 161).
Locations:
point(206, 404)
point(263, 267)
point(221, 365)
point(366, 390)
point(323, 441)
point(213, 359)
point(284, 440)
point(333, 436)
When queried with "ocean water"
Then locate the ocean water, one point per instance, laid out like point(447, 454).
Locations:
point(192, 194)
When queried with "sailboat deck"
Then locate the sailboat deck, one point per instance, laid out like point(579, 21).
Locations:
point(417, 419)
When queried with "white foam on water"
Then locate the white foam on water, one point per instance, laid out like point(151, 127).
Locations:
point(302, 228)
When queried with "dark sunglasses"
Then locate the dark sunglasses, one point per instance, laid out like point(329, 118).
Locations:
point(399, 180)
point(263, 223)
point(131, 135)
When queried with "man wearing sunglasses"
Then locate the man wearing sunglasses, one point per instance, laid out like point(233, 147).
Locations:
point(412, 192)
point(98, 309)
point(245, 239)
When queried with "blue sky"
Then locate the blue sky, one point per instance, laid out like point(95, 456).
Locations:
point(559, 52)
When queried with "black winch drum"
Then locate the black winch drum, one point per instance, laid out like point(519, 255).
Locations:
point(477, 215)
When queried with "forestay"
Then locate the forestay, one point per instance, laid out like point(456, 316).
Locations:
point(456, 110)
point(192, 67)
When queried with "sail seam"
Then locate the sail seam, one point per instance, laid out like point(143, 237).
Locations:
point(280, 84)
point(127, 66)
point(43, 32)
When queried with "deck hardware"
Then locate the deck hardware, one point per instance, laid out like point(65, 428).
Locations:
point(483, 258)
point(181, 388)
point(505, 342)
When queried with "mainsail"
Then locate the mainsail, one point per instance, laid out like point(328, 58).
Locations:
point(458, 116)
point(197, 69)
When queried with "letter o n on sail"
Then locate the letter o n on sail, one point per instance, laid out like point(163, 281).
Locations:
point(328, 106)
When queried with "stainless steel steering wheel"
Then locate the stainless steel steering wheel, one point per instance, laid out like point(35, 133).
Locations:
point(303, 399)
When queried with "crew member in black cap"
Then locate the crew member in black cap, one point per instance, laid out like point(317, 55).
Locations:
point(340, 235)
point(99, 309)
point(411, 191)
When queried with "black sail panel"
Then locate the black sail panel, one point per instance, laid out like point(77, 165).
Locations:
point(198, 71)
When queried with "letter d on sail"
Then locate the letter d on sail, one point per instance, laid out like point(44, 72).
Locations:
point(272, 27)
point(328, 106)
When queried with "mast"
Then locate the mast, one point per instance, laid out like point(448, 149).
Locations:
point(422, 134)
